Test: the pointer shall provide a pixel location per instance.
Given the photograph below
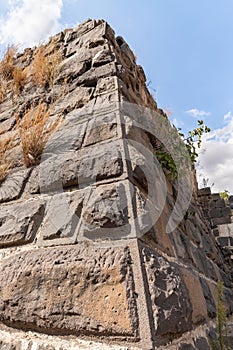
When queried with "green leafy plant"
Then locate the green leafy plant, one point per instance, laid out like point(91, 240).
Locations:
point(192, 143)
point(225, 195)
point(193, 140)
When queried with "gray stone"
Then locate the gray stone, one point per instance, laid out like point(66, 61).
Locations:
point(202, 344)
point(81, 168)
point(169, 296)
point(106, 213)
point(20, 222)
point(210, 303)
point(206, 191)
point(186, 346)
point(13, 185)
point(101, 128)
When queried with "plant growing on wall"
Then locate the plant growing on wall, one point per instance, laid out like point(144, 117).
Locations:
point(221, 343)
point(192, 142)
point(6, 143)
point(45, 68)
point(225, 195)
point(34, 133)
point(7, 63)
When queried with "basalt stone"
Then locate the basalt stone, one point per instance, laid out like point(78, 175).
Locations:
point(13, 185)
point(81, 168)
point(62, 218)
point(106, 213)
point(186, 346)
point(202, 344)
point(210, 303)
point(19, 222)
point(68, 290)
point(170, 299)
point(199, 309)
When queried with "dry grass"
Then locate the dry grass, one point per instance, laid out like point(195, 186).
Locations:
point(7, 63)
point(19, 79)
point(3, 90)
point(34, 133)
point(45, 68)
point(6, 144)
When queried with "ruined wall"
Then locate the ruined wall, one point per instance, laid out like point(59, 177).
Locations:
point(87, 256)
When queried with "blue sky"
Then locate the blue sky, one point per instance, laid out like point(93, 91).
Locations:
point(184, 46)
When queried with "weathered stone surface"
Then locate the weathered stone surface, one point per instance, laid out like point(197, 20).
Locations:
point(101, 128)
point(199, 310)
point(69, 290)
point(202, 344)
point(81, 168)
point(99, 185)
point(172, 310)
point(13, 185)
point(106, 213)
point(186, 346)
point(62, 218)
point(20, 222)
point(210, 302)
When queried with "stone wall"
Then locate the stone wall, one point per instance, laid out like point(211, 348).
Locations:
point(99, 247)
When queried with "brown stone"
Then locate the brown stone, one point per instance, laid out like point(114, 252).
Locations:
point(199, 310)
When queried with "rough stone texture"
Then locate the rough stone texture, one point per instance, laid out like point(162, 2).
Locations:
point(171, 305)
point(52, 286)
point(19, 223)
point(99, 185)
point(199, 309)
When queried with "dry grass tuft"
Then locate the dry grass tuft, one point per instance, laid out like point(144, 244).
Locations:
point(7, 63)
point(6, 144)
point(45, 68)
point(3, 90)
point(19, 79)
point(34, 133)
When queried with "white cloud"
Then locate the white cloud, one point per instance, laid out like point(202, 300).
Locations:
point(228, 116)
point(28, 22)
point(216, 157)
point(194, 112)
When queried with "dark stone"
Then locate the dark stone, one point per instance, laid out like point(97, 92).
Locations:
point(206, 191)
point(215, 213)
point(210, 303)
point(220, 203)
point(223, 241)
point(186, 346)
point(169, 295)
point(226, 211)
point(202, 344)
point(221, 221)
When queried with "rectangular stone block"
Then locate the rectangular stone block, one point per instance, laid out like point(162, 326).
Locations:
point(19, 222)
point(70, 290)
point(199, 309)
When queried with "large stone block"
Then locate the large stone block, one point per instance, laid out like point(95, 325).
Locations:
point(69, 290)
point(20, 221)
point(170, 301)
point(82, 168)
point(106, 213)
point(13, 185)
point(199, 309)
